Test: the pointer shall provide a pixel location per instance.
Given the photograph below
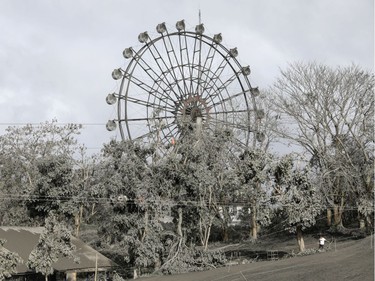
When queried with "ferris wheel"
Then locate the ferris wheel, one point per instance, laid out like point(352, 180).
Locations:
point(182, 79)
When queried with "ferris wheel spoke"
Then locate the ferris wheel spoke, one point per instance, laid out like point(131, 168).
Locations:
point(166, 70)
point(161, 96)
point(224, 85)
point(230, 111)
point(194, 72)
point(197, 52)
point(148, 119)
point(183, 49)
point(158, 79)
point(151, 104)
point(223, 123)
point(205, 70)
point(215, 76)
point(168, 130)
point(152, 132)
point(171, 133)
point(171, 50)
point(185, 62)
point(230, 98)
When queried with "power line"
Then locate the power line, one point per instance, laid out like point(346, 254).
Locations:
point(57, 124)
point(163, 202)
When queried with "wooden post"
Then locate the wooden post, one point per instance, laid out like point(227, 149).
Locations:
point(96, 267)
point(371, 239)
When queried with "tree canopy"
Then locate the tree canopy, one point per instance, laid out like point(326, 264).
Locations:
point(160, 207)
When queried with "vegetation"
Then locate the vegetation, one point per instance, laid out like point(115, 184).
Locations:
point(54, 242)
point(160, 211)
point(299, 199)
point(8, 262)
point(333, 113)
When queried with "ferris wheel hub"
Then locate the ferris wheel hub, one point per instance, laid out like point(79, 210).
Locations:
point(191, 108)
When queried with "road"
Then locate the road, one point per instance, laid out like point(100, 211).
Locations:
point(352, 260)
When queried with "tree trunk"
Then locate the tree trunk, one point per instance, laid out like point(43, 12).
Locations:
point(201, 235)
point(205, 232)
point(329, 217)
point(208, 233)
point(225, 233)
point(224, 224)
point(78, 220)
point(145, 230)
point(300, 241)
point(179, 222)
point(254, 225)
point(337, 215)
point(207, 227)
point(338, 208)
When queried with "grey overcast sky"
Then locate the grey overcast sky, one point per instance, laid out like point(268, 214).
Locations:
point(56, 56)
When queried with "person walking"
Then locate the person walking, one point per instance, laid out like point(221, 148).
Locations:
point(322, 240)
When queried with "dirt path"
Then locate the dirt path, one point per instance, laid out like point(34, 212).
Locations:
point(352, 260)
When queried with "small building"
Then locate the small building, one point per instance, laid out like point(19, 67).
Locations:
point(22, 241)
point(235, 213)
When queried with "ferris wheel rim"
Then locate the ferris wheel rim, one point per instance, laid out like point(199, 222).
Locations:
point(224, 52)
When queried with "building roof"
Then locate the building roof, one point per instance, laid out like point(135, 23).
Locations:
point(22, 241)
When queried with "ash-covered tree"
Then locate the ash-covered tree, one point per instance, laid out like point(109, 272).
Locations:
point(8, 262)
point(254, 164)
point(22, 150)
point(206, 180)
point(84, 203)
point(298, 196)
point(253, 171)
point(54, 243)
point(54, 188)
point(197, 178)
point(329, 112)
point(359, 175)
point(64, 185)
point(130, 222)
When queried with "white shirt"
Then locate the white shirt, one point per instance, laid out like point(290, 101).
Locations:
point(322, 240)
